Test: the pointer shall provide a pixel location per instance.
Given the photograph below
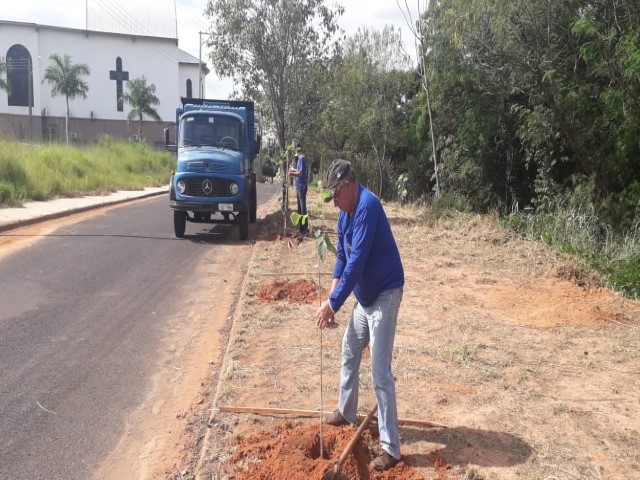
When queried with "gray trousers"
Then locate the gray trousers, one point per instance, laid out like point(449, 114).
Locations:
point(374, 325)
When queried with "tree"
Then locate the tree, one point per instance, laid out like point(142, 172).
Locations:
point(362, 100)
point(142, 98)
point(66, 79)
point(422, 50)
point(4, 85)
point(269, 47)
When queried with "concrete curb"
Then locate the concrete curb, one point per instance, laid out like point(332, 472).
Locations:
point(35, 212)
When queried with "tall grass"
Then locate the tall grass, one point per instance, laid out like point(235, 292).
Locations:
point(41, 172)
point(579, 231)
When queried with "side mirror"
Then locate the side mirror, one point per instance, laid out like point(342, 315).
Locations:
point(172, 147)
point(258, 143)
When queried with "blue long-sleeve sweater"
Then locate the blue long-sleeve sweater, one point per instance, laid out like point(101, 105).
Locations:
point(368, 260)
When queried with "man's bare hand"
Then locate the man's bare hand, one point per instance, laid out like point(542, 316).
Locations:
point(325, 316)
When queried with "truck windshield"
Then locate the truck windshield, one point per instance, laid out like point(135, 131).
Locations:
point(210, 130)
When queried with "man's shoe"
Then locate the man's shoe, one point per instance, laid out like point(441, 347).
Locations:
point(383, 462)
point(336, 419)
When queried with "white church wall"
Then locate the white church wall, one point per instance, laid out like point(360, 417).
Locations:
point(158, 59)
point(154, 58)
point(187, 72)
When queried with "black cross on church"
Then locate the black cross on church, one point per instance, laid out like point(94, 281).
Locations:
point(119, 76)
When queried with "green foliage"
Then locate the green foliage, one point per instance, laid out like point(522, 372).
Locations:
point(322, 241)
point(401, 187)
point(66, 79)
point(298, 219)
point(532, 103)
point(269, 167)
point(364, 108)
point(41, 172)
point(142, 99)
point(576, 230)
point(271, 50)
point(448, 203)
point(3, 80)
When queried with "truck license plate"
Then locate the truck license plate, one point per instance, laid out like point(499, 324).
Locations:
point(225, 207)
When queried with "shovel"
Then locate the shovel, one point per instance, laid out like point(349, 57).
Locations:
point(334, 472)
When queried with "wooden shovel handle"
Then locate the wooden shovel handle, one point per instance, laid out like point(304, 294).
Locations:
point(353, 441)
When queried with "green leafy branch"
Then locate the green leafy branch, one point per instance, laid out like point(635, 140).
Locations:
point(323, 242)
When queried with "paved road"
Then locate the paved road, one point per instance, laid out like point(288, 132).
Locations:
point(81, 313)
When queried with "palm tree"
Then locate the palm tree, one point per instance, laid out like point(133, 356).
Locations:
point(66, 79)
point(4, 83)
point(142, 98)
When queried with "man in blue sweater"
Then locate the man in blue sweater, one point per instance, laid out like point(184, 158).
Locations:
point(368, 264)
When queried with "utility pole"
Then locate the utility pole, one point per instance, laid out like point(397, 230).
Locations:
point(200, 86)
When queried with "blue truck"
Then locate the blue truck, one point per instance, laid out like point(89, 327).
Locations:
point(214, 181)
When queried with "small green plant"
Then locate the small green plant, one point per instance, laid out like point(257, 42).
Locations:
point(465, 353)
point(401, 187)
point(323, 242)
point(524, 374)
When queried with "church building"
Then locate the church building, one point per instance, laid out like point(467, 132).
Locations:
point(29, 110)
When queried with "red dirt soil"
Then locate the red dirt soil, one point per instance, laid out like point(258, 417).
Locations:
point(292, 451)
point(300, 291)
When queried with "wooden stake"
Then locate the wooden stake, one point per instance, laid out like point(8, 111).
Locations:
point(315, 413)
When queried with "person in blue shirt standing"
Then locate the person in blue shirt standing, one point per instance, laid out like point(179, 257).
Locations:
point(368, 264)
point(300, 172)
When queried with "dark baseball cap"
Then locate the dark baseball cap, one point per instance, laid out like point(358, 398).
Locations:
point(337, 171)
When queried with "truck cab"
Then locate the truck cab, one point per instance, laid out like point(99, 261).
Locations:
point(214, 180)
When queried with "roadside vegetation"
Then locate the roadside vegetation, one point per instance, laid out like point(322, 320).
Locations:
point(526, 109)
point(529, 110)
point(615, 255)
point(41, 172)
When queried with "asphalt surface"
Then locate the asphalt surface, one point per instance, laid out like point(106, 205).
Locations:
point(81, 313)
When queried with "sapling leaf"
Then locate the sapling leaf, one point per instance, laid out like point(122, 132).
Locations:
point(321, 247)
point(298, 219)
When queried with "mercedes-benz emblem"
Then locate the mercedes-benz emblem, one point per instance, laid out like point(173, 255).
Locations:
point(207, 186)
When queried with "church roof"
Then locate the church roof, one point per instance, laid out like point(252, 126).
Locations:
point(37, 26)
point(184, 57)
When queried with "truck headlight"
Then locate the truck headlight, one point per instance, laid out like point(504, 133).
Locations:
point(181, 186)
point(233, 188)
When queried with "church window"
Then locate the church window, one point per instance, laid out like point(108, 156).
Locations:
point(19, 76)
point(189, 88)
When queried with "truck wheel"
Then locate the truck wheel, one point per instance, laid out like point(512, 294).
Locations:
point(179, 223)
point(243, 219)
point(253, 203)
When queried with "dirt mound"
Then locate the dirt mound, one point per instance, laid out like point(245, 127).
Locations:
point(292, 451)
point(300, 291)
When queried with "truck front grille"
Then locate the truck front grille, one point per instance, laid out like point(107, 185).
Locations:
point(207, 166)
point(207, 187)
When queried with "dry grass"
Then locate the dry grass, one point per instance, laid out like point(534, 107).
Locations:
point(536, 370)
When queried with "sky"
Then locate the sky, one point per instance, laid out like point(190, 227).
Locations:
point(191, 20)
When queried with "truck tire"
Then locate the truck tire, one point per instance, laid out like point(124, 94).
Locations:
point(253, 200)
point(179, 223)
point(243, 220)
